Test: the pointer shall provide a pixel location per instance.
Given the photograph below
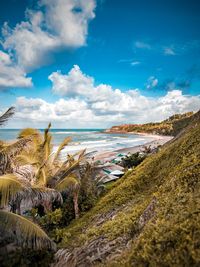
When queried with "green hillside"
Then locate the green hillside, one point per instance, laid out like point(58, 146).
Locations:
point(150, 218)
point(171, 126)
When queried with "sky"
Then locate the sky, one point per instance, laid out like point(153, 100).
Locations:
point(94, 64)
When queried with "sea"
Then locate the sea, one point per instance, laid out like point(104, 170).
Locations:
point(94, 140)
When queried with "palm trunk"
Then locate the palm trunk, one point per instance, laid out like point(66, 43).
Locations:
point(76, 208)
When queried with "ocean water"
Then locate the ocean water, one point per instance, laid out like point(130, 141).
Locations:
point(91, 139)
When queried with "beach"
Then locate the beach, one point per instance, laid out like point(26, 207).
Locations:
point(159, 140)
point(105, 146)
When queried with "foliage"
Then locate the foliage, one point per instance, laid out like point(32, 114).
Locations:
point(51, 218)
point(12, 226)
point(7, 115)
point(9, 186)
point(171, 126)
point(26, 257)
point(48, 171)
point(170, 236)
point(24, 232)
point(133, 160)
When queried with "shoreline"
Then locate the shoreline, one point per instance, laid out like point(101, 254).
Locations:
point(109, 155)
point(136, 133)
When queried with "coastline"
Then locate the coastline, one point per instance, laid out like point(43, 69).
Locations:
point(136, 133)
point(108, 155)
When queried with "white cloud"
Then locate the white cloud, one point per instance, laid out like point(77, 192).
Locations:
point(135, 63)
point(12, 75)
point(152, 82)
point(75, 82)
point(169, 51)
point(84, 104)
point(59, 24)
point(64, 113)
point(142, 45)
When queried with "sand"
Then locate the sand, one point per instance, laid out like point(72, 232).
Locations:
point(109, 155)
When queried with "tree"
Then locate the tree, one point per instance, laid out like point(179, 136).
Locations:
point(20, 229)
point(24, 232)
point(49, 174)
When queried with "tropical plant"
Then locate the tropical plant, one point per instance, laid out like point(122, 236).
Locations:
point(7, 115)
point(19, 229)
point(23, 231)
point(49, 174)
point(133, 160)
point(8, 151)
point(72, 183)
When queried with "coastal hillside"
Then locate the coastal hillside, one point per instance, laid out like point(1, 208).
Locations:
point(151, 217)
point(171, 126)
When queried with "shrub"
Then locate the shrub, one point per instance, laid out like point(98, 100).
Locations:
point(133, 160)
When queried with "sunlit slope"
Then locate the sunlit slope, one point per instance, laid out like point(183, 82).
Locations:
point(150, 218)
point(171, 126)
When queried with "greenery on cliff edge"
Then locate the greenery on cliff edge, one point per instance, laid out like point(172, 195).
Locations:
point(156, 212)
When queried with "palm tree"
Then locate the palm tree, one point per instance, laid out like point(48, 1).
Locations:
point(8, 151)
point(24, 232)
point(21, 230)
point(50, 174)
point(72, 183)
point(41, 169)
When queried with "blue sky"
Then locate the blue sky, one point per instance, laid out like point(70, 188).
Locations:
point(98, 63)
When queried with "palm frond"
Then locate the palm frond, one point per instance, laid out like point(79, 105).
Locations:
point(40, 179)
point(25, 159)
point(68, 182)
point(45, 148)
point(28, 132)
point(9, 186)
point(25, 232)
point(46, 134)
point(82, 154)
point(67, 167)
point(7, 115)
point(45, 195)
point(64, 143)
point(16, 148)
point(25, 172)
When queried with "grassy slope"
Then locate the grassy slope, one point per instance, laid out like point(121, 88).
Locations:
point(150, 218)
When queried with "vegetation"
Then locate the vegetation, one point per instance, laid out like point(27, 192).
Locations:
point(154, 209)
point(133, 160)
point(7, 115)
point(15, 228)
point(150, 217)
point(33, 174)
point(171, 126)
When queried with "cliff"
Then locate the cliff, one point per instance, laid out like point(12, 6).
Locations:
point(150, 218)
point(171, 126)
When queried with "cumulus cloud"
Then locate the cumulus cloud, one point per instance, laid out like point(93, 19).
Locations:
point(64, 113)
point(12, 75)
point(75, 82)
point(84, 104)
point(59, 24)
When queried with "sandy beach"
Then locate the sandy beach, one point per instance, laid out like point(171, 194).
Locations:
point(109, 155)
